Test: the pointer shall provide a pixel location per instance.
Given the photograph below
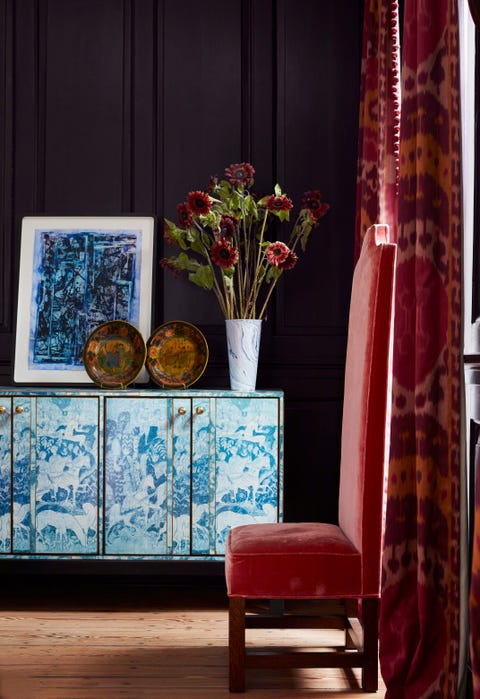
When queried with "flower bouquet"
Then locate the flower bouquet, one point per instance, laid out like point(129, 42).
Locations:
point(222, 235)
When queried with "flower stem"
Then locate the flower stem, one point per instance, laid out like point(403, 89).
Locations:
point(221, 298)
point(239, 270)
point(258, 274)
point(270, 291)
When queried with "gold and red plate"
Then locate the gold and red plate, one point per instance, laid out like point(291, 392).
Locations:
point(114, 354)
point(177, 354)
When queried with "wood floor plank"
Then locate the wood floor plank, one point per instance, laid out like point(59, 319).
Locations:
point(94, 643)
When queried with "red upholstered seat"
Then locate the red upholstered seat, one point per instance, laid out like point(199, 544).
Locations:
point(320, 560)
point(294, 561)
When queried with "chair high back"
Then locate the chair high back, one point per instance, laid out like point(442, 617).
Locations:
point(366, 407)
point(338, 566)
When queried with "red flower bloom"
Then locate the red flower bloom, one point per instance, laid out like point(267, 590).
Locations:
point(228, 226)
point(281, 203)
point(212, 183)
point(199, 203)
point(310, 197)
point(277, 253)
point(312, 201)
point(166, 264)
point(290, 262)
point(322, 210)
point(223, 254)
point(240, 174)
point(184, 216)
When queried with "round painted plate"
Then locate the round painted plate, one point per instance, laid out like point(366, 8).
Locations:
point(114, 354)
point(177, 354)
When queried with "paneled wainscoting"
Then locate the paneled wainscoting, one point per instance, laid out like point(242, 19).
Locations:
point(64, 640)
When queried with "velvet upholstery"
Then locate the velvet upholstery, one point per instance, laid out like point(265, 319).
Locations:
point(298, 561)
point(328, 561)
point(367, 403)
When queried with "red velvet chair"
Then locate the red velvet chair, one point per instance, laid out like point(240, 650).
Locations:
point(337, 564)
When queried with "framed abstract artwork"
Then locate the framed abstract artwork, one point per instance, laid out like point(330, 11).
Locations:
point(75, 273)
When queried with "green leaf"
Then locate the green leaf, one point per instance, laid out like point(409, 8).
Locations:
point(273, 274)
point(195, 241)
point(277, 189)
point(228, 279)
point(178, 235)
point(202, 276)
point(170, 224)
point(305, 231)
point(250, 207)
point(184, 262)
point(211, 219)
point(225, 189)
point(282, 215)
point(235, 201)
point(206, 239)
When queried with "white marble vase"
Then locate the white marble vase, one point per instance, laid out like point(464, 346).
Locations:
point(243, 344)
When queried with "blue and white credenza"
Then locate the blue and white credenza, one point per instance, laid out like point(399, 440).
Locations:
point(144, 474)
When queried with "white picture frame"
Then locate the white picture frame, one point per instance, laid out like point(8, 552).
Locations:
point(75, 273)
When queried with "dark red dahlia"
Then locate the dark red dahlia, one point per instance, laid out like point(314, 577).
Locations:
point(240, 174)
point(277, 253)
point(312, 201)
point(223, 254)
point(212, 183)
point(281, 203)
point(310, 198)
point(199, 203)
point(184, 215)
point(322, 210)
point(290, 262)
point(228, 225)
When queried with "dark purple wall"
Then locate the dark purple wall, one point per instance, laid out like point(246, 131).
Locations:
point(112, 106)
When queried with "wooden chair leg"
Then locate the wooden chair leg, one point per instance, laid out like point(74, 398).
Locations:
point(351, 610)
point(370, 644)
point(236, 643)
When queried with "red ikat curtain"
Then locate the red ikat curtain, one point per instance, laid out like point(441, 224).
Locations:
point(377, 178)
point(419, 616)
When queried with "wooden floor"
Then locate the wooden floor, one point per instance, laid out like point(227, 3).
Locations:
point(82, 641)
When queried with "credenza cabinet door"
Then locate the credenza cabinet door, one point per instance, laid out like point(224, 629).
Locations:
point(138, 476)
point(22, 417)
point(5, 475)
point(49, 475)
point(65, 460)
point(15, 448)
point(247, 454)
point(203, 477)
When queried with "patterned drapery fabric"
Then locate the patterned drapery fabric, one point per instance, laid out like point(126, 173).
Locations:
point(419, 617)
point(419, 622)
point(379, 119)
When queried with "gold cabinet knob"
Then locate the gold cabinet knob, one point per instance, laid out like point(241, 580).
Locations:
point(199, 410)
point(19, 409)
point(181, 411)
point(3, 410)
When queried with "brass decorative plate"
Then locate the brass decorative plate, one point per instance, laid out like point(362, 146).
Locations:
point(114, 354)
point(177, 354)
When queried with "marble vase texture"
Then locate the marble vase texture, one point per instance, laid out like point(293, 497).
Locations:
point(243, 344)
